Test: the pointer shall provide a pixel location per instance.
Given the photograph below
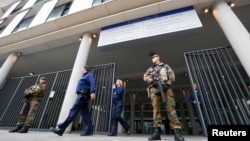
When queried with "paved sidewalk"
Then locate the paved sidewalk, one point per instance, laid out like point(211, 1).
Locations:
point(49, 136)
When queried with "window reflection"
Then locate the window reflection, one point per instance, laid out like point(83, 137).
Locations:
point(59, 11)
point(23, 24)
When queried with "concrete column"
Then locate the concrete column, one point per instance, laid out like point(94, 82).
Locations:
point(132, 112)
point(80, 61)
point(235, 32)
point(7, 66)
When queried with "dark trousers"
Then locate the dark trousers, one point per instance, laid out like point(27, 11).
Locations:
point(81, 104)
point(116, 116)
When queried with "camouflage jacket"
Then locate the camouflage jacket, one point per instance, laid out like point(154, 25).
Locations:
point(166, 75)
point(37, 91)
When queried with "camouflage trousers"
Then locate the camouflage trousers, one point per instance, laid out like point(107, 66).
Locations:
point(28, 113)
point(170, 109)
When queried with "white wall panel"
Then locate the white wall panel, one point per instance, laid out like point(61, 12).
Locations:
point(43, 13)
point(29, 4)
point(79, 5)
point(14, 23)
point(12, 7)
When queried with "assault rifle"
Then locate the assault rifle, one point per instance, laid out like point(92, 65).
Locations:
point(158, 84)
point(27, 99)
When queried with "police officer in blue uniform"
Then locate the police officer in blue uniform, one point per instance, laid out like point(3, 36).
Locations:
point(117, 108)
point(85, 91)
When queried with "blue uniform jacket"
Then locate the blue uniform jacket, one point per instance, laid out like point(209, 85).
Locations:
point(87, 81)
point(191, 97)
point(118, 93)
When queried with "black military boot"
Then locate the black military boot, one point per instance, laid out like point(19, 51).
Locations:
point(16, 129)
point(156, 134)
point(24, 129)
point(178, 136)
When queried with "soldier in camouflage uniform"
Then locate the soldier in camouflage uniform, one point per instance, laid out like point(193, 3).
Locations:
point(167, 77)
point(33, 96)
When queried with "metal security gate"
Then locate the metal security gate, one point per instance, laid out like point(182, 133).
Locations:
point(12, 96)
point(224, 92)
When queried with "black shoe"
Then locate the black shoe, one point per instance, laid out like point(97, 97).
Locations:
point(178, 135)
point(156, 135)
point(24, 130)
point(15, 129)
point(127, 131)
point(112, 134)
point(57, 131)
point(86, 134)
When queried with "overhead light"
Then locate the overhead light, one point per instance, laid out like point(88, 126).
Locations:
point(94, 35)
point(19, 54)
point(206, 10)
point(231, 4)
point(80, 38)
point(31, 73)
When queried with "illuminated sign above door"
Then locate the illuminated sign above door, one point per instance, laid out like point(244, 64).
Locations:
point(162, 23)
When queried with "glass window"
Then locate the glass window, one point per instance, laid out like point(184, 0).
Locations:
point(16, 10)
point(97, 2)
point(137, 114)
point(148, 107)
point(59, 11)
point(184, 105)
point(163, 106)
point(37, 1)
point(126, 115)
point(148, 114)
point(137, 107)
point(29, 4)
point(177, 106)
point(127, 107)
point(23, 24)
point(186, 113)
point(10, 9)
point(1, 29)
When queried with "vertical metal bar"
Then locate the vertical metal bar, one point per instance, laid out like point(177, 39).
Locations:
point(101, 93)
point(241, 108)
point(212, 71)
point(230, 87)
point(217, 74)
point(239, 77)
point(222, 97)
point(207, 81)
point(203, 89)
point(191, 66)
point(102, 105)
point(46, 105)
point(246, 107)
point(93, 104)
point(198, 76)
point(11, 100)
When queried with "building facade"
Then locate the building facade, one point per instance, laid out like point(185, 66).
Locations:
point(44, 36)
